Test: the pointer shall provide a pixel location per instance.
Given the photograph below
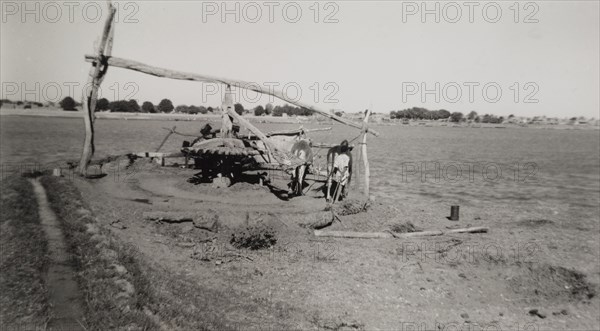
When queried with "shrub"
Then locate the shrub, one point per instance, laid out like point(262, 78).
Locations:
point(255, 237)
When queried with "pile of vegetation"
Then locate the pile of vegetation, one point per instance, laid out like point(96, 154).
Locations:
point(254, 238)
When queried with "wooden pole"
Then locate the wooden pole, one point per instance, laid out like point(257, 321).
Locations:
point(295, 132)
point(226, 125)
point(364, 153)
point(173, 74)
point(96, 75)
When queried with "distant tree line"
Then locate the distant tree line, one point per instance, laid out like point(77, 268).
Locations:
point(266, 110)
point(417, 113)
point(291, 111)
point(164, 106)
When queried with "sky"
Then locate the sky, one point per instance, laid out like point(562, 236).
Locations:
point(521, 58)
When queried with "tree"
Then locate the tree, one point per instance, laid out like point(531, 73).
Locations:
point(102, 104)
point(148, 107)
point(472, 115)
point(123, 106)
point(181, 109)
point(511, 116)
point(238, 108)
point(259, 110)
point(68, 104)
point(444, 113)
point(456, 117)
point(278, 111)
point(165, 106)
point(210, 109)
point(269, 109)
point(133, 105)
point(193, 109)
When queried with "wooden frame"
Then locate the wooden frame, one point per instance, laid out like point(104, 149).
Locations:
point(103, 58)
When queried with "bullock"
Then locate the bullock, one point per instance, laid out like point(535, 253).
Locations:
point(302, 150)
point(339, 168)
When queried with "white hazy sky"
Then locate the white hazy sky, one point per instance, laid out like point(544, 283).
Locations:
point(376, 53)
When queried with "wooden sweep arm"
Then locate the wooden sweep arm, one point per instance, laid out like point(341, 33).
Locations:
point(174, 74)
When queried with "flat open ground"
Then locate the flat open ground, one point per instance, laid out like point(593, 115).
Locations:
point(536, 269)
point(529, 261)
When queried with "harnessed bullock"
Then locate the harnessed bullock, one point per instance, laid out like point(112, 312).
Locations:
point(302, 150)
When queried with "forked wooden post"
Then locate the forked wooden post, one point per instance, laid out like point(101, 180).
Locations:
point(96, 75)
point(364, 152)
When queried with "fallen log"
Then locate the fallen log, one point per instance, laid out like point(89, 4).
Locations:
point(390, 234)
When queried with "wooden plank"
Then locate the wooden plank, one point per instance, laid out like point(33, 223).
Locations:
point(377, 235)
point(180, 75)
point(295, 132)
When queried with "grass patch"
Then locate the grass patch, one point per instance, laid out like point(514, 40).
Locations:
point(23, 258)
point(114, 297)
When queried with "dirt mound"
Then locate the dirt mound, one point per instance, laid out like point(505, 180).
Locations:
point(552, 283)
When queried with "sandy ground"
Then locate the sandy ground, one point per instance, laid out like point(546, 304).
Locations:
point(530, 272)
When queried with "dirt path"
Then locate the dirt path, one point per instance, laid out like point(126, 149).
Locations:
point(64, 296)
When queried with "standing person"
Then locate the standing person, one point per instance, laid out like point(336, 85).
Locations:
point(339, 166)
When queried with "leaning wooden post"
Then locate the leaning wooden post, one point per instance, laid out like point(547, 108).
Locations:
point(364, 152)
point(96, 75)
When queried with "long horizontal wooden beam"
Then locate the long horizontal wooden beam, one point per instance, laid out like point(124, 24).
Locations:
point(295, 132)
point(174, 74)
